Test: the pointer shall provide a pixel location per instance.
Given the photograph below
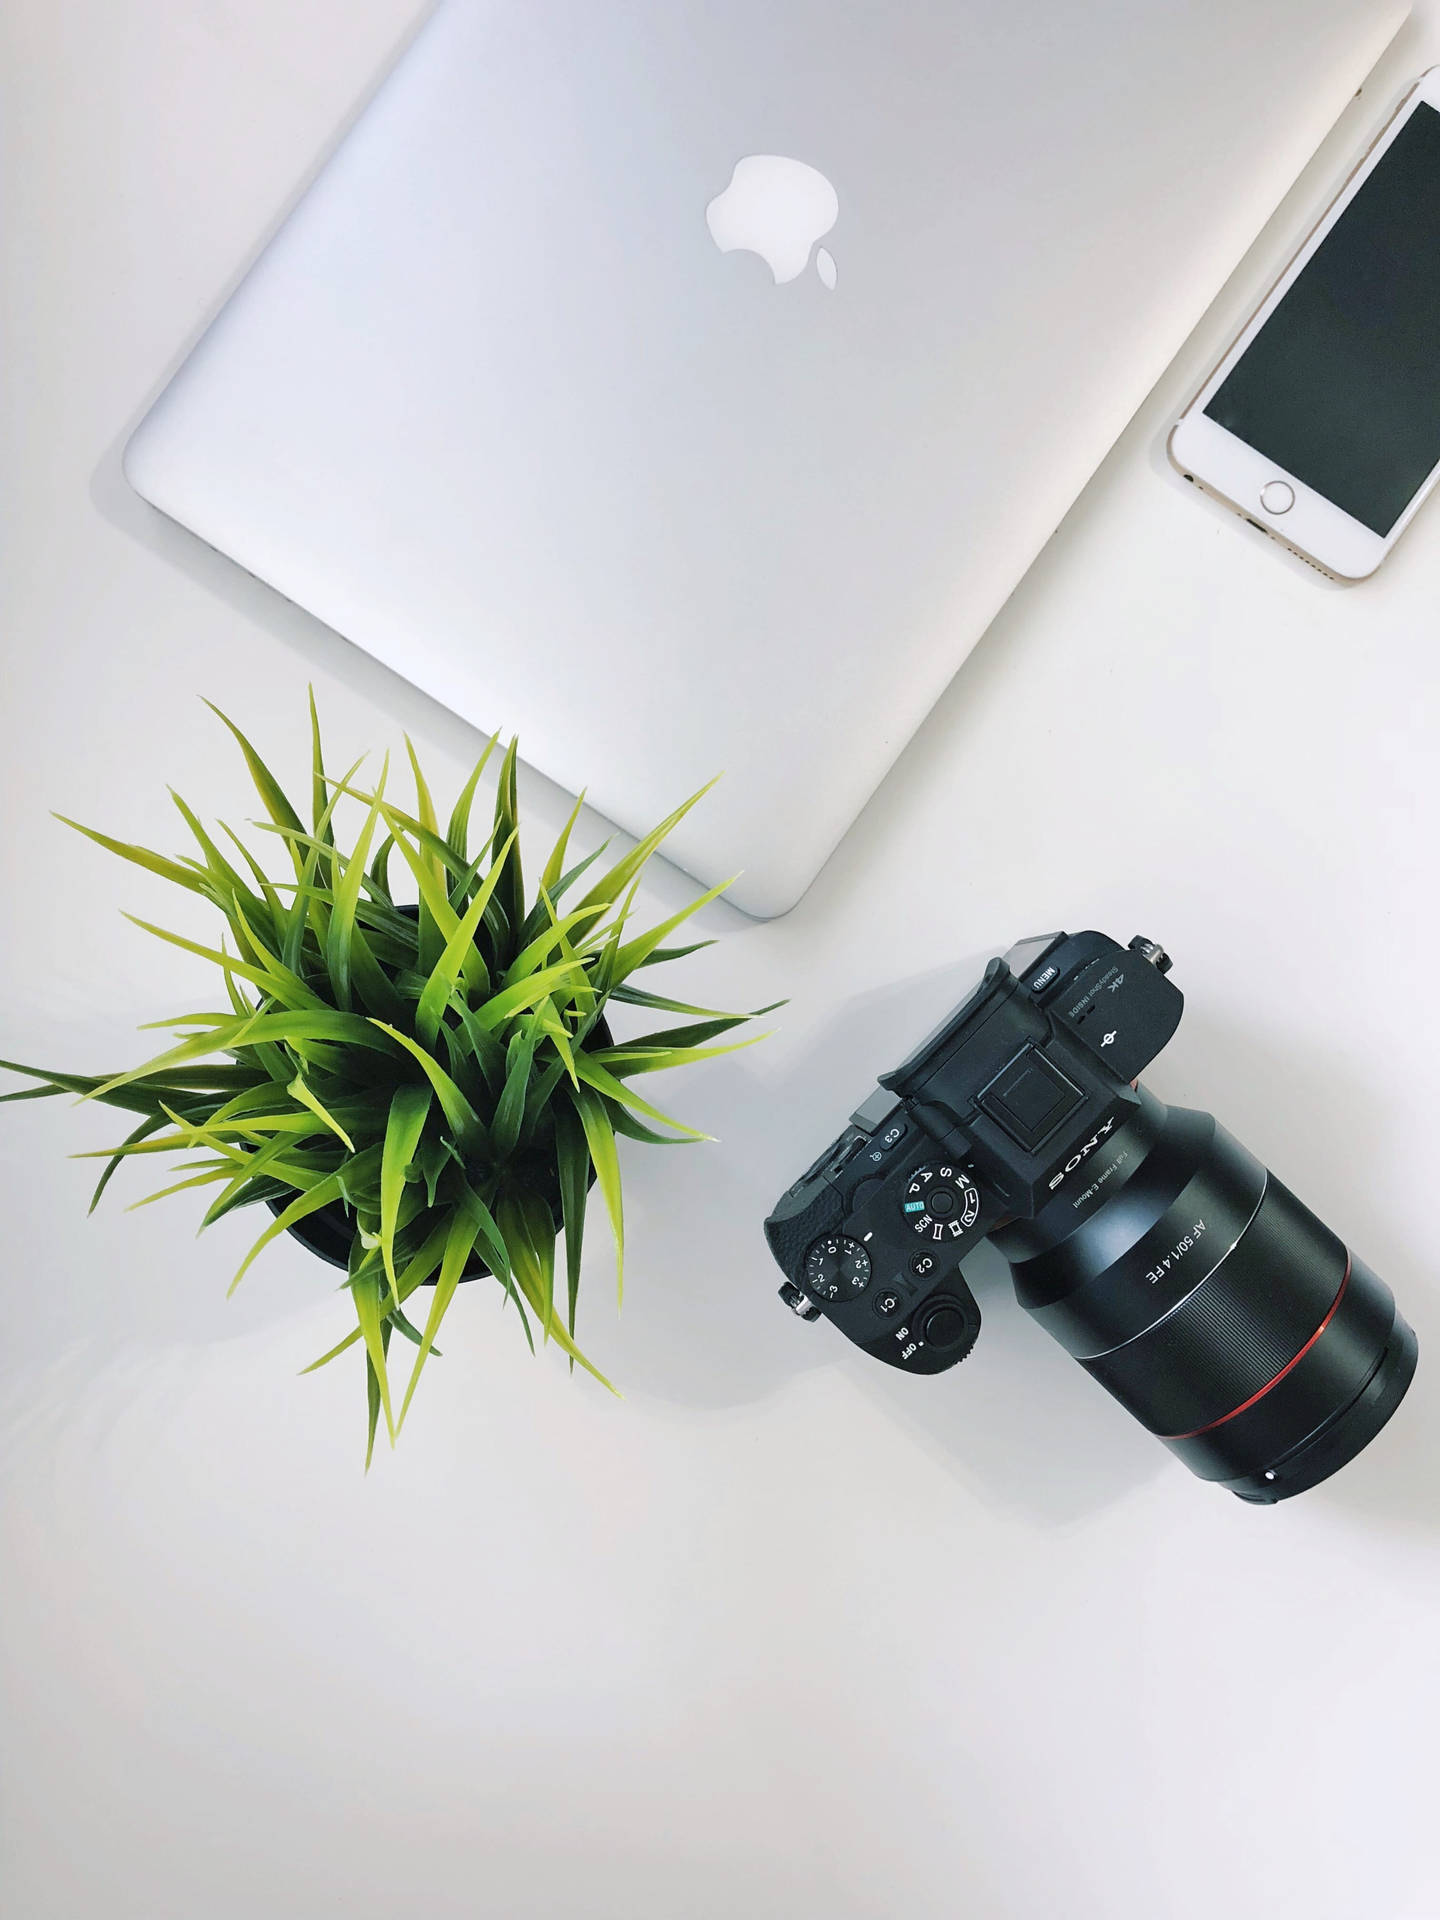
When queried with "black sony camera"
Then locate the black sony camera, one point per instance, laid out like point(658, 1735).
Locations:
point(1185, 1278)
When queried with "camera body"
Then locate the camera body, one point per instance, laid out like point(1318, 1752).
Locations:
point(992, 1114)
point(1191, 1284)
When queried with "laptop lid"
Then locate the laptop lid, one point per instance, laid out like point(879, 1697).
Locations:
point(685, 387)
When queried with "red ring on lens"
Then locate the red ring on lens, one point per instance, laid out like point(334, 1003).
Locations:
point(1289, 1366)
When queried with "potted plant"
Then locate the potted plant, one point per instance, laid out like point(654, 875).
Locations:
point(422, 1092)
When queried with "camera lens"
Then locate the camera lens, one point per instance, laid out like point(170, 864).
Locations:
point(1222, 1313)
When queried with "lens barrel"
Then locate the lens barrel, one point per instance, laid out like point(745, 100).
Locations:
point(1222, 1313)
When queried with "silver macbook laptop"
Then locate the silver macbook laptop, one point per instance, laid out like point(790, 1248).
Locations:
point(684, 386)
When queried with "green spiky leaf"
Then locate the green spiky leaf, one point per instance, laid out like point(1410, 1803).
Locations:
point(404, 1127)
point(436, 1081)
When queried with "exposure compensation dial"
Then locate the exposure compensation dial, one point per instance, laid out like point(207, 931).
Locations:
point(837, 1268)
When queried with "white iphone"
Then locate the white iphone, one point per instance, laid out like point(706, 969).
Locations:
point(1321, 425)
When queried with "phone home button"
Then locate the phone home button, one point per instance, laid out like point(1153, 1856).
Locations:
point(1277, 496)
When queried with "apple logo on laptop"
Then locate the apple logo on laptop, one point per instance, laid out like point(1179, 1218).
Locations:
point(778, 208)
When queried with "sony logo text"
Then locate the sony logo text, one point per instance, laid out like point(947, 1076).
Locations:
point(1082, 1153)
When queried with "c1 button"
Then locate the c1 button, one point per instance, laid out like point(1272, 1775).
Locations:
point(888, 1303)
point(1277, 496)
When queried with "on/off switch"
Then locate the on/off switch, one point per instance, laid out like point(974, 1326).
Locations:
point(946, 1324)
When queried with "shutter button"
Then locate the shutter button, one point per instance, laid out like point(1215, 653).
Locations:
point(945, 1325)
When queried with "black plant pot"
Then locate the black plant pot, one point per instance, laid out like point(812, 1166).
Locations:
point(329, 1232)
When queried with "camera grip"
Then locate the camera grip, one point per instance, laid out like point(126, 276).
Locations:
point(790, 1234)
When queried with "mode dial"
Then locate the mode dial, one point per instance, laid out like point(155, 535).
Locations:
point(940, 1202)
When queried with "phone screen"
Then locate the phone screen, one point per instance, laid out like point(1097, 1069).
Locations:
point(1341, 386)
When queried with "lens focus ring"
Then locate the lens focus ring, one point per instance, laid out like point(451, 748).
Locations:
point(1213, 1305)
point(1231, 1336)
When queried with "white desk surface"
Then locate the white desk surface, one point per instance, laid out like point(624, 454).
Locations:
point(778, 1634)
